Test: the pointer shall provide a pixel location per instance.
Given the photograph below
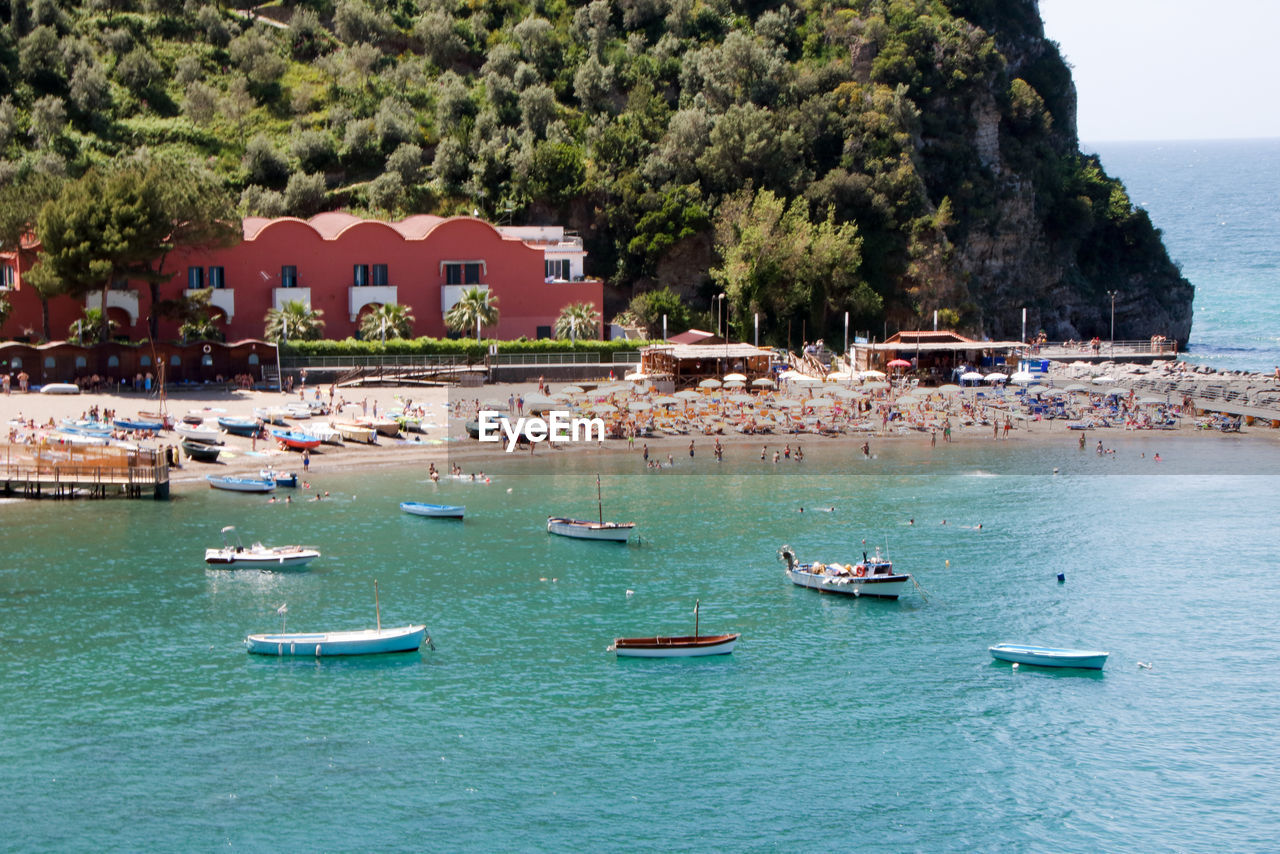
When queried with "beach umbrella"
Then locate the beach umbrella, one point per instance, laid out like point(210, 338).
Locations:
point(561, 397)
point(1075, 387)
point(613, 388)
point(907, 400)
point(1021, 377)
point(789, 374)
point(741, 378)
point(871, 374)
point(787, 403)
point(764, 382)
point(711, 383)
point(741, 398)
point(995, 377)
point(735, 384)
point(688, 394)
point(949, 388)
point(639, 405)
point(971, 376)
point(840, 376)
point(636, 376)
point(846, 393)
point(666, 400)
point(899, 363)
point(572, 389)
point(875, 385)
point(603, 408)
point(1152, 401)
point(1116, 392)
point(1103, 380)
point(819, 402)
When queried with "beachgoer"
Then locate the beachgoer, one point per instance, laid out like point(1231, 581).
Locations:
point(690, 447)
point(645, 449)
point(306, 460)
point(1082, 441)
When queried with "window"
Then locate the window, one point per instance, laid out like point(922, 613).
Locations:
point(380, 275)
point(50, 362)
point(289, 276)
point(217, 277)
point(119, 284)
point(7, 276)
point(205, 360)
point(195, 278)
point(144, 361)
point(175, 360)
point(544, 331)
point(253, 358)
point(16, 363)
point(463, 273)
point(81, 361)
point(558, 268)
point(113, 361)
point(360, 275)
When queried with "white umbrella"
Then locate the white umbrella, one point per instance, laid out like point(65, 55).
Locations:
point(907, 400)
point(1076, 387)
point(1116, 392)
point(787, 403)
point(971, 376)
point(614, 388)
point(735, 384)
point(709, 384)
point(789, 374)
point(837, 376)
point(1103, 380)
point(875, 385)
point(1021, 377)
point(666, 400)
point(949, 388)
point(572, 389)
point(560, 397)
point(741, 378)
point(995, 377)
point(763, 382)
point(639, 405)
point(846, 393)
point(688, 394)
point(603, 408)
point(819, 402)
point(871, 374)
point(741, 398)
point(636, 376)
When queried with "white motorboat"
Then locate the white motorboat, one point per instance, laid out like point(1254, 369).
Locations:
point(584, 529)
point(240, 484)
point(873, 577)
point(257, 556)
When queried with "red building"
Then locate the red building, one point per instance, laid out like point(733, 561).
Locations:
point(343, 265)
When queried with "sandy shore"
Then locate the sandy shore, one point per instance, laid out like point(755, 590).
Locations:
point(433, 446)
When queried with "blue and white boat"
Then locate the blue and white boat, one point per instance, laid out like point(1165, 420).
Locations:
point(285, 479)
point(1048, 656)
point(86, 428)
point(238, 426)
point(241, 484)
point(438, 511)
point(295, 441)
point(359, 642)
point(138, 424)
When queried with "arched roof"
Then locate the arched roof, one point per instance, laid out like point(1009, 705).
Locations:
point(331, 225)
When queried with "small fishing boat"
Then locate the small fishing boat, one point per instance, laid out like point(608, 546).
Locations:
point(257, 555)
point(238, 426)
point(438, 511)
point(271, 415)
point(240, 484)
point(208, 435)
point(138, 424)
point(359, 642)
point(294, 440)
point(86, 427)
point(356, 432)
point(195, 417)
point(285, 479)
point(165, 420)
point(1047, 656)
point(873, 577)
point(681, 646)
point(583, 529)
point(388, 427)
point(201, 452)
point(298, 411)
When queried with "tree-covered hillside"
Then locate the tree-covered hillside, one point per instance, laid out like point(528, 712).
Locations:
point(888, 158)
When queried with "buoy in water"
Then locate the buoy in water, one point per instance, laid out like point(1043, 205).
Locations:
point(1062, 577)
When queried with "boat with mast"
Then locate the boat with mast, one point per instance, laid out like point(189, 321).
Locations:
point(680, 646)
point(582, 529)
point(359, 642)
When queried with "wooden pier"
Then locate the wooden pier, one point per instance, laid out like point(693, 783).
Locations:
point(53, 470)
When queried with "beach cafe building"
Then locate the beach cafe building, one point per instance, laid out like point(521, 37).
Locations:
point(936, 353)
point(344, 266)
point(710, 358)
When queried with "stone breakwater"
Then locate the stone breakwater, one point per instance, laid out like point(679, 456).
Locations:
point(1242, 393)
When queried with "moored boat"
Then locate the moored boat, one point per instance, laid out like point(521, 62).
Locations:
point(208, 435)
point(687, 646)
point(257, 555)
point(294, 440)
point(271, 415)
point(1048, 656)
point(298, 411)
point(240, 484)
point(583, 529)
point(285, 479)
point(201, 452)
point(138, 424)
point(358, 642)
point(874, 576)
point(438, 511)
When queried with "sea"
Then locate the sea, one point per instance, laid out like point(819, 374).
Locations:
point(132, 717)
point(1217, 205)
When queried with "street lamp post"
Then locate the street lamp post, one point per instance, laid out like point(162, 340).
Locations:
point(719, 308)
point(1112, 294)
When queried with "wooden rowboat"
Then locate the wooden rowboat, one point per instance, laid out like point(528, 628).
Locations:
point(437, 511)
point(356, 432)
point(201, 452)
point(295, 441)
point(688, 646)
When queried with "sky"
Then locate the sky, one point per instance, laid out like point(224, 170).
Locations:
point(1170, 69)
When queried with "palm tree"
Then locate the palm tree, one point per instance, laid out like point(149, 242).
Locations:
point(474, 307)
point(576, 320)
point(295, 319)
point(384, 321)
point(203, 328)
point(94, 326)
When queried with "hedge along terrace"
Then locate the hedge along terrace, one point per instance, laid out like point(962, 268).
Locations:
point(466, 348)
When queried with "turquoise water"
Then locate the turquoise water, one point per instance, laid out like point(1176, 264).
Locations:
point(131, 717)
point(1216, 203)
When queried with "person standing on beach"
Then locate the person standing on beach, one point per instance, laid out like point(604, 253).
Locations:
point(691, 448)
point(1082, 441)
point(645, 449)
point(306, 462)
